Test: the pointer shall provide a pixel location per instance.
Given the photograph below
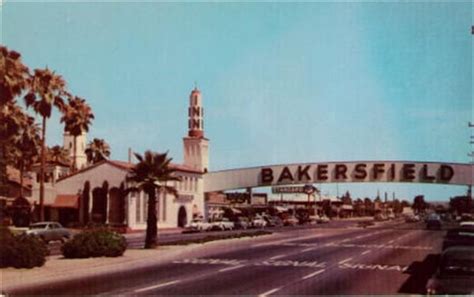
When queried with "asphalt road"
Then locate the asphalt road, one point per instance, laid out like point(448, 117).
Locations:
point(393, 258)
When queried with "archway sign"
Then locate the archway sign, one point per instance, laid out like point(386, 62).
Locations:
point(340, 172)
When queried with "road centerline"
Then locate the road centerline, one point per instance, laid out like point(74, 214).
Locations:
point(345, 260)
point(269, 292)
point(313, 274)
point(231, 268)
point(156, 286)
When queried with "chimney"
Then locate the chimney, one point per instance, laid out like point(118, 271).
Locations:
point(130, 155)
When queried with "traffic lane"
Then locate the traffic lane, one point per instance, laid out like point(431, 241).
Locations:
point(261, 250)
point(375, 272)
point(255, 277)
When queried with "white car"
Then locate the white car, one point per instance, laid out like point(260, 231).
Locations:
point(223, 224)
point(198, 225)
point(467, 224)
point(259, 222)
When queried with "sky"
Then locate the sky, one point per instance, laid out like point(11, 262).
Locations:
point(281, 82)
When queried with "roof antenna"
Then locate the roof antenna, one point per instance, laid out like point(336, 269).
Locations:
point(195, 85)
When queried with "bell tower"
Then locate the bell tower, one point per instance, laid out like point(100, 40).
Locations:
point(196, 146)
point(81, 143)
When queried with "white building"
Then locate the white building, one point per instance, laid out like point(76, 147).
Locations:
point(96, 193)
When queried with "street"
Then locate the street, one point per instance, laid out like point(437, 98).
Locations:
point(392, 257)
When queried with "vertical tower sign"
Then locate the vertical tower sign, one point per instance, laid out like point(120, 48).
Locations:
point(195, 115)
point(196, 146)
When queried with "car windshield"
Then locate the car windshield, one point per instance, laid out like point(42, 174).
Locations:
point(457, 267)
point(38, 226)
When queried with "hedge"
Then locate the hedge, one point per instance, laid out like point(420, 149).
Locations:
point(95, 243)
point(21, 251)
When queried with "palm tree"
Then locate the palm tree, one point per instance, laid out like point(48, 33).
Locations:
point(77, 118)
point(57, 154)
point(151, 174)
point(26, 148)
point(47, 89)
point(12, 120)
point(13, 81)
point(97, 150)
point(13, 75)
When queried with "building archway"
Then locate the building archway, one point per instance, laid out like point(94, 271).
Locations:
point(182, 217)
point(99, 205)
point(116, 209)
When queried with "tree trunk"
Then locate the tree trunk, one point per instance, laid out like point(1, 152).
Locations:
point(151, 240)
point(22, 168)
point(43, 164)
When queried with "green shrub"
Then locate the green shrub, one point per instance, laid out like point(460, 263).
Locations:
point(21, 251)
point(95, 243)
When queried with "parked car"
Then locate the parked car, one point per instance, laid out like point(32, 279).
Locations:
point(455, 272)
point(223, 224)
point(198, 225)
point(273, 221)
point(241, 223)
point(412, 218)
point(322, 219)
point(433, 221)
point(467, 224)
point(290, 221)
point(49, 231)
point(259, 222)
point(458, 237)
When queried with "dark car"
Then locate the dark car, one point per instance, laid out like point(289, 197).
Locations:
point(242, 223)
point(273, 221)
point(459, 236)
point(433, 222)
point(455, 273)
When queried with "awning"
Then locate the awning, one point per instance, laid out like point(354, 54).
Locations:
point(66, 201)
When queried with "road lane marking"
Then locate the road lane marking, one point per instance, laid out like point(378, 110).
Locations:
point(156, 286)
point(281, 241)
point(277, 257)
point(366, 252)
point(345, 260)
point(391, 241)
point(313, 274)
point(269, 292)
point(231, 268)
point(308, 249)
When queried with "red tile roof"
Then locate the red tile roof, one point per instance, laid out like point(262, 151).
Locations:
point(127, 166)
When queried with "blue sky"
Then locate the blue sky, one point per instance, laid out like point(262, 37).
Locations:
point(281, 82)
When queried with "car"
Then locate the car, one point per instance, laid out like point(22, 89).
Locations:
point(222, 224)
point(455, 272)
point(259, 222)
point(290, 221)
point(241, 223)
point(322, 219)
point(198, 225)
point(467, 224)
point(433, 222)
point(273, 221)
point(412, 218)
point(49, 231)
point(463, 236)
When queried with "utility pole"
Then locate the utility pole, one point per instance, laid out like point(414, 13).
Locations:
point(471, 155)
